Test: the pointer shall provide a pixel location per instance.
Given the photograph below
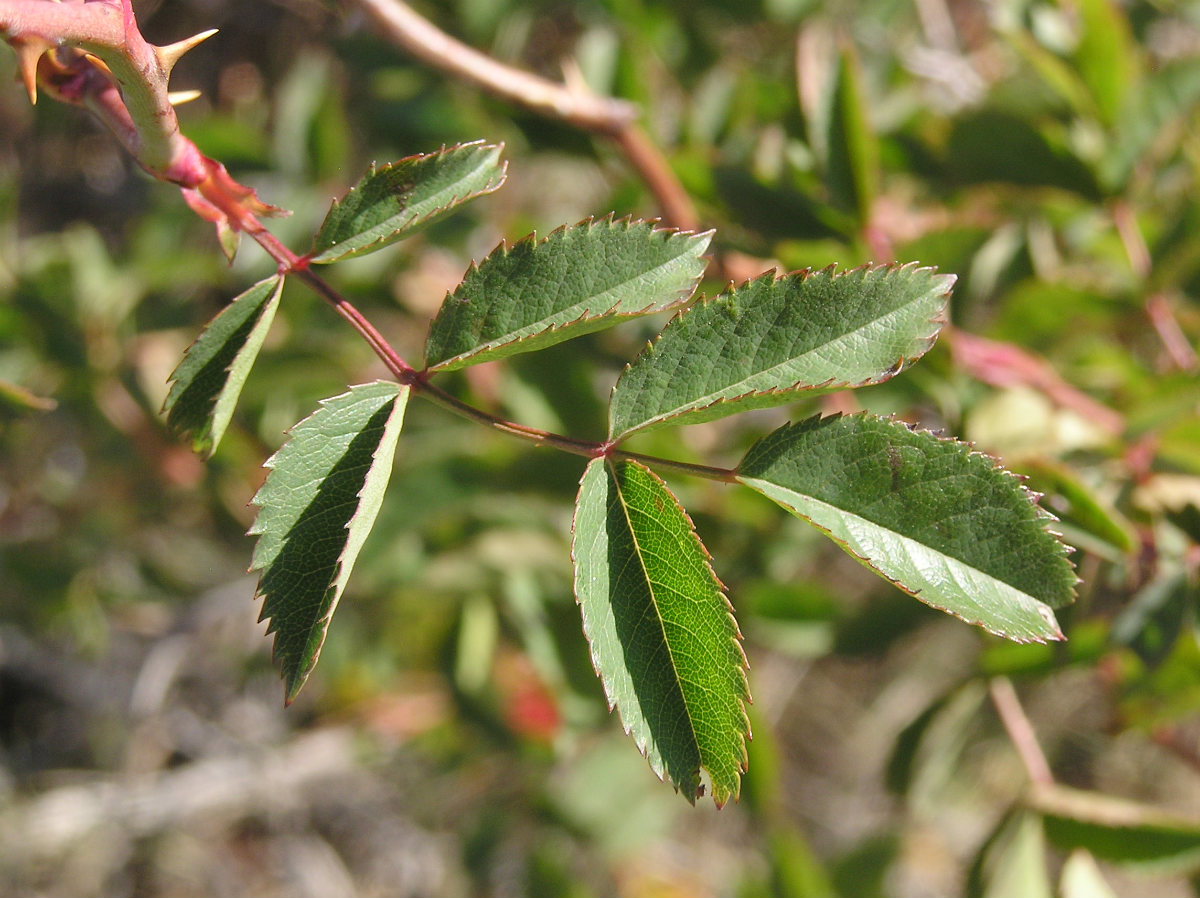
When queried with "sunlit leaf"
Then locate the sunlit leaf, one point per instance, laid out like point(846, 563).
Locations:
point(941, 522)
point(396, 200)
point(581, 279)
point(208, 381)
point(772, 339)
point(662, 634)
point(316, 509)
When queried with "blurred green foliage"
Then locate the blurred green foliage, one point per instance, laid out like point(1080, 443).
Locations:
point(1046, 152)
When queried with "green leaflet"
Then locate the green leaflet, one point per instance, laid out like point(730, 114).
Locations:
point(852, 159)
point(578, 280)
point(315, 510)
point(941, 522)
point(662, 634)
point(767, 341)
point(206, 384)
point(398, 199)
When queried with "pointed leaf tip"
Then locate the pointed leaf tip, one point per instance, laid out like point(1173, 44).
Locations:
point(940, 521)
point(206, 384)
point(773, 339)
point(577, 280)
point(397, 200)
point(316, 509)
point(661, 631)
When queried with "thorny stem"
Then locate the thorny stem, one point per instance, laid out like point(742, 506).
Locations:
point(128, 91)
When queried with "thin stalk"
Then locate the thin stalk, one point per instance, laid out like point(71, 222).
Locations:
point(1020, 731)
point(724, 475)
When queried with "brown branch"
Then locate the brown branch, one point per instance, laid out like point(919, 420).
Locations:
point(609, 117)
point(1020, 731)
point(677, 207)
point(426, 42)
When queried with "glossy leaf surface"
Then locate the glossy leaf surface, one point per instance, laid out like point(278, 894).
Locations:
point(662, 634)
point(771, 339)
point(316, 509)
point(941, 522)
point(581, 279)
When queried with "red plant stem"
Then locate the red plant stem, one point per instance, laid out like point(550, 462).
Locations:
point(128, 91)
point(678, 210)
point(291, 264)
point(1174, 340)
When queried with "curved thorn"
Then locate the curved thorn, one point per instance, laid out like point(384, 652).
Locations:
point(171, 53)
point(178, 97)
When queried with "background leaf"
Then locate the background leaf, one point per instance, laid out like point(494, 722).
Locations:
point(577, 280)
point(853, 150)
point(662, 634)
point(398, 199)
point(316, 510)
point(941, 522)
point(208, 380)
point(1119, 831)
point(1105, 56)
point(770, 339)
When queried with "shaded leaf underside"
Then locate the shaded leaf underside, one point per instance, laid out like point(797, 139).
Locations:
point(577, 280)
point(316, 509)
point(661, 631)
point(767, 341)
point(396, 200)
point(943, 523)
point(208, 380)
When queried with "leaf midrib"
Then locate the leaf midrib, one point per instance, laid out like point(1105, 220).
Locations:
point(722, 395)
point(637, 548)
point(540, 327)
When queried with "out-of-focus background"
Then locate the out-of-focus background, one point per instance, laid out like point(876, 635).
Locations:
point(454, 739)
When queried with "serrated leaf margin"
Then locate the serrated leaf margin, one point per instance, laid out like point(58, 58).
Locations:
point(358, 528)
point(496, 349)
point(790, 393)
point(657, 763)
point(329, 255)
point(206, 438)
point(1044, 610)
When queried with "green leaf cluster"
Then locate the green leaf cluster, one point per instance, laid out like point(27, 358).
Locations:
point(929, 515)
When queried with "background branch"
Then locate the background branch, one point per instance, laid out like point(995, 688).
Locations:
point(1020, 730)
point(609, 117)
